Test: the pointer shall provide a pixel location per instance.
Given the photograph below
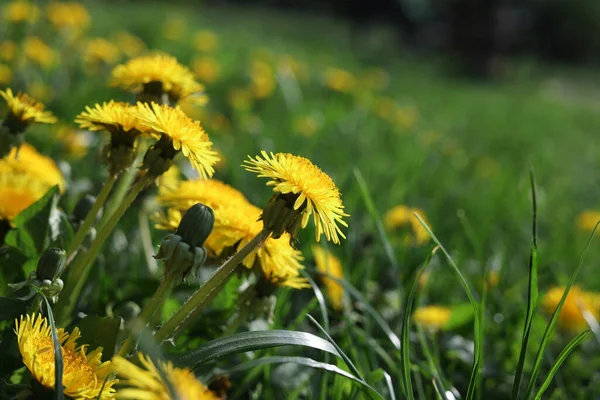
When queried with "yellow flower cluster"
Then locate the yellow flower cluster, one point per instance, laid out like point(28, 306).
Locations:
point(401, 216)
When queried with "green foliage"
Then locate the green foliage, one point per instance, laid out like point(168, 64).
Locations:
point(100, 332)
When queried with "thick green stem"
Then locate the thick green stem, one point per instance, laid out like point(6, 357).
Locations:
point(91, 216)
point(82, 265)
point(157, 300)
point(120, 191)
point(205, 292)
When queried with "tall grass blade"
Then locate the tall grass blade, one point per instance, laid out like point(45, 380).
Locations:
point(439, 388)
point(576, 341)
point(532, 295)
point(478, 334)
point(554, 319)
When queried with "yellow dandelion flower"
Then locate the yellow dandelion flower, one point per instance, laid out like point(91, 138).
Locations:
point(98, 50)
point(401, 216)
point(240, 98)
point(28, 162)
point(306, 125)
point(168, 221)
point(130, 45)
point(587, 220)
point(39, 52)
point(432, 317)
point(305, 188)
point(17, 192)
point(75, 143)
point(84, 374)
point(339, 80)
point(329, 264)
point(20, 11)
point(185, 135)
point(170, 180)
point(115, 117)
point(5, 74)
point(160, 73)
point(68, 15)
point(145, 382)
point(263, 80)
point(206, 69)
point(210, 192)
point(205, 41)
point(8, 50)
point(23, 110)
point(571, 315)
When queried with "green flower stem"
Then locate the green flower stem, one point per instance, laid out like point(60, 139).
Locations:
point(157, 300)
point(206, 291)
point(124, 183)
point(81, 268)
point(91, 217)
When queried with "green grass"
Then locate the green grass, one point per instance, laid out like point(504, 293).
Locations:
point(472, 183)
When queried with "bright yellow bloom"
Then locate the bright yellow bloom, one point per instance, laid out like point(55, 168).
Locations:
point(329, 264)
point(185, 134)
point(100, 50)
point(112, 116)
point(5, 74)
point(205, 41)
point(17, 192)
point(587, 220)
point(206, 69)
point(146, 382)
point(25, 110)
point(401, 216)
point(20, 11)
point(170, 180)
point(130, 45)
point(8, 50)
point(432, 317)
point(68, 15)
point(175, 80)
point(210, 192)
point(313, 190)
point(34, 165)
point(39, 52)
point(84, 373)
point(339, 80)
point(571, 315)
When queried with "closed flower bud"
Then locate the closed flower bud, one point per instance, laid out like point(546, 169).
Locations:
point(51, 264)
point(196, 225)
point(83, 207)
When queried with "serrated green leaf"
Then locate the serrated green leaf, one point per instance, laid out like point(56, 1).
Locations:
point(11, 308)
point(100, 332)
point(250, 341)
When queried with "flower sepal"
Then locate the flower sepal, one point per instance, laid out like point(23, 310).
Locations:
point(9, 139)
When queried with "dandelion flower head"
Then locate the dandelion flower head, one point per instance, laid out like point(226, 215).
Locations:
point(27, 162)
point(571, 315)
point(115, 117)
point(68, 15)
point(432, 317)
point(329, 264)
point(24, 110)
point(587, 220)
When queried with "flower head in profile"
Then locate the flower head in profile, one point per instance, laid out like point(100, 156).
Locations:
point(571, 315)
point(157, 74)
point(29, 163)
point(84, 373)
point(178, 133)
point(402, 216)
point(303, 189)
point(432, 317)
point(113, 116)
point(146, 381)
point(329, 264)
point(23, 111)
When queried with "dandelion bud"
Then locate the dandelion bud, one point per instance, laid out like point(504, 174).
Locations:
point(83, 207)
point(51, 264)
point(196, 225)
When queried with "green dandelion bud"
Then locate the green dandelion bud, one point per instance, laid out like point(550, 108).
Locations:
point(51, 264)
point(182, 252)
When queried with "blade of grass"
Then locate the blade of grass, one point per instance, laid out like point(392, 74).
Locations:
point(554, 319)
point(478, 334)
point(408, 305)
point(58, 359)
point(576, 341)
point(439, 388)
point(380, 374)
point(532, 294)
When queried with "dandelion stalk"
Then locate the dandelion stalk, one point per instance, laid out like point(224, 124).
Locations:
point(204, 293)
point(82, 266)
point(90, 217)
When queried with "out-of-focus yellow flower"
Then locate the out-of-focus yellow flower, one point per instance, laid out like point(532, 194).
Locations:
point(205, 41)
point(287, 65)
point(240, 98)
point(17, 192)
point(329, 264)
point(161, 70)
point(174, 28)
point(146, 381)
point(72, 16)
point(75, 143)
point(8, 50)
point(39, 52)
point(98, 50)
point(339, 80)
point(24, 110)
point(493, 277)
point(130, 45)
point(306, 125)
point(20, 11)
point(406, 117)
point(571, 315)
point(305, 188)
point(263, 80)
point(376, 79)
point(385, 107)
point(85, 376)
point(206, 69)
point(210, 192)
point(5, 74)
point(40, 90)
point(170, 180)
point(33, 164)
point(587, 220)
point(432, 317)
point(401, 216)
point(217, 122)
